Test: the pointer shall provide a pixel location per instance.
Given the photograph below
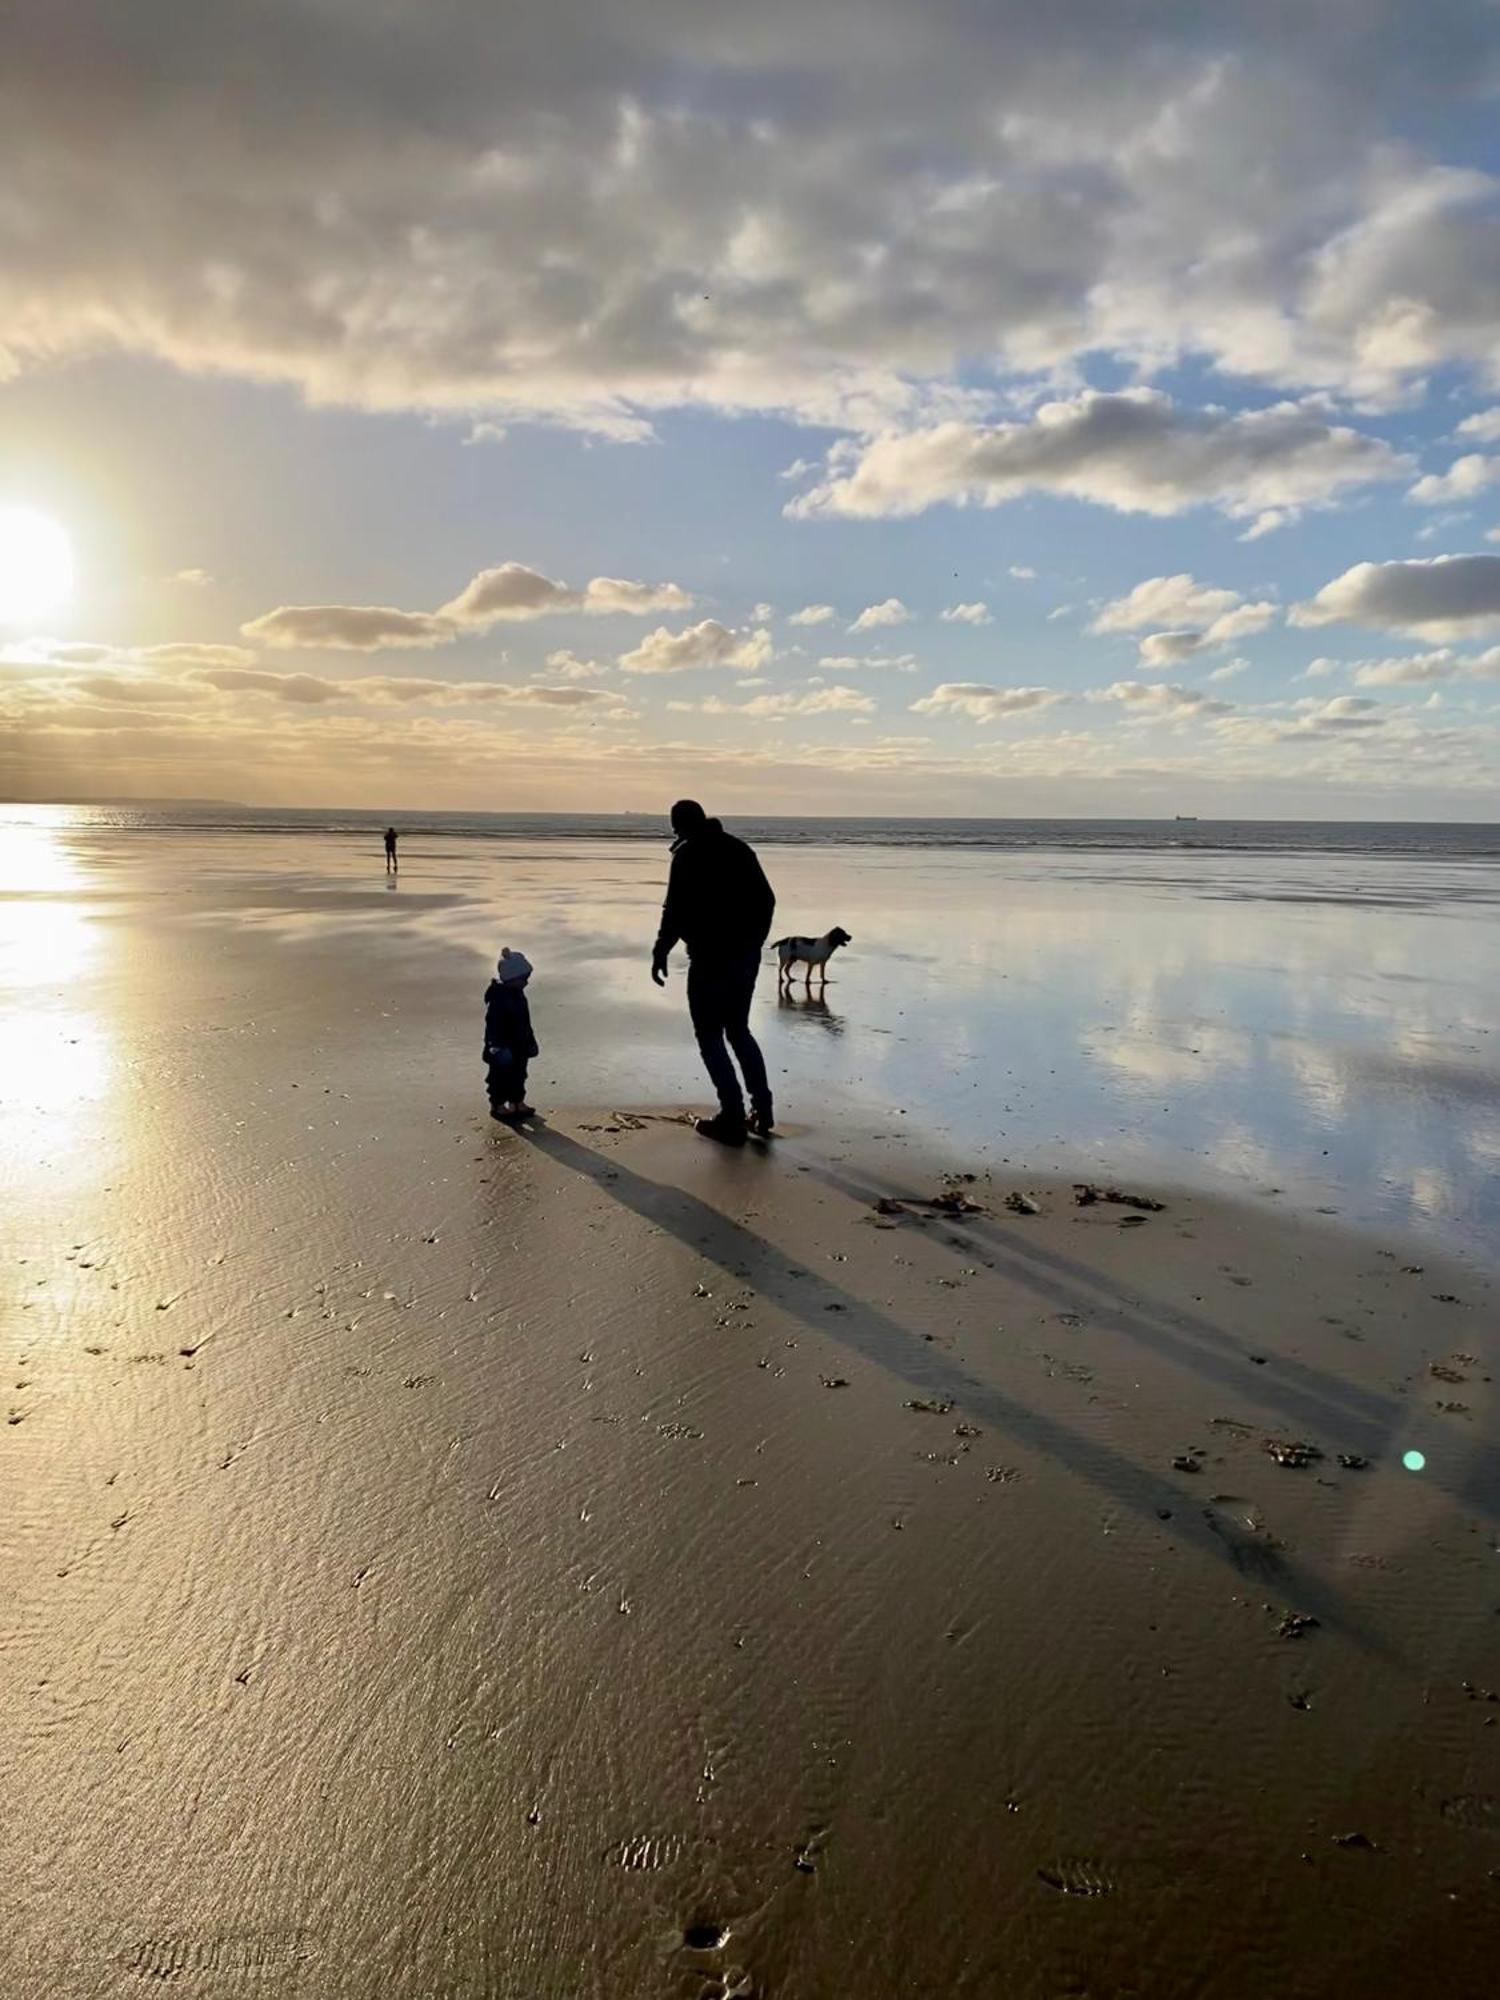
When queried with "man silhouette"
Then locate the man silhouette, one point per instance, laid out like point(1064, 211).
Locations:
point(392, 865)
point(719, 904)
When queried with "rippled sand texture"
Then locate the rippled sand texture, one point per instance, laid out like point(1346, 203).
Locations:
point(448, 1562)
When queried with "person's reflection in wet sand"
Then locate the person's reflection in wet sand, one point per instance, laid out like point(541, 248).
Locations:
point(812, 1007)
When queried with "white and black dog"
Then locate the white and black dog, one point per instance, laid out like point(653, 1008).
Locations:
point(809, 952)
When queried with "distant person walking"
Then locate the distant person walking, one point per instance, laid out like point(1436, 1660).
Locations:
point(392, 865)
point(719, 904)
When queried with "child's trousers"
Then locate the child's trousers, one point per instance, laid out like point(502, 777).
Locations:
point(507, 1083)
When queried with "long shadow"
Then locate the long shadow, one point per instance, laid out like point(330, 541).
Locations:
point(827, 1309)
point(1344, 1414)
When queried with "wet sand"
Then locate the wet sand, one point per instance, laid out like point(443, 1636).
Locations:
point(447, 1561)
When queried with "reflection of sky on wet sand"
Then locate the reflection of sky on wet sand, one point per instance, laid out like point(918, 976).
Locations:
point(54, 1053)
point(1327, 1027)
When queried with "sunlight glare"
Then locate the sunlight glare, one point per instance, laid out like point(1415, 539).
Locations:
point(36, 565)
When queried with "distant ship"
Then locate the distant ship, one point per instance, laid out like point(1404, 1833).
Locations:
point(1186, 819)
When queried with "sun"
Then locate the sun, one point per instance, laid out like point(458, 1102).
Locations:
point(36, 565)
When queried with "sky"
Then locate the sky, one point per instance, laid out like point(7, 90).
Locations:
point(820, 408)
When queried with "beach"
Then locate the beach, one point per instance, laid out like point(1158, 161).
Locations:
point(446, 1560)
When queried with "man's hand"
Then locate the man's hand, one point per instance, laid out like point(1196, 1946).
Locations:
point(659, 967)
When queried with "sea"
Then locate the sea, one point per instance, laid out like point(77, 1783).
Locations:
point(1405, 839)
point(1301, 1013)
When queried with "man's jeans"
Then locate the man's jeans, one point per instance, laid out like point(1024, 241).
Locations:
point(719, 991)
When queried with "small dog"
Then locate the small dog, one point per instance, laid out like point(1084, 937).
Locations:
point(809, 952)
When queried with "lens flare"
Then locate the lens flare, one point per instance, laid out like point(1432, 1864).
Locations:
point(1414, 1461)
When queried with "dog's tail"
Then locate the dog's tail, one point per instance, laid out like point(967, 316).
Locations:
point(777, 943)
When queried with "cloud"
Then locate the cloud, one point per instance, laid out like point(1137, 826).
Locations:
point(349, 628)
point(777, 707)
point(708, 644)
point(195, 579)
point(1414, 669)
point(133, 689)
point(1218, 618)
point(541, 696)
point(830, 212)
point(1464, 479)
point(186, 654)
point(813, 614)
point(306, 689)
point(982, 703)
point(1165, 600)
point(507, 593)
point(967, 614)
point(1417, 669)
point(849, 663)
point(1442, 597)
point(890, 612)
point(568, 667)
point(1135, 451)
point(1023, 572)
point(1342, 711)
point(512, 591)
point(1230, 670)
point(311, 690)
point(1162, 699)
point(1484, 425)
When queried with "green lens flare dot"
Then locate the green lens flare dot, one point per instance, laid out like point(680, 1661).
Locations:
point(1414, 1461)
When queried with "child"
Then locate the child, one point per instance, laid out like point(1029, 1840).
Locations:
point(508, 1041)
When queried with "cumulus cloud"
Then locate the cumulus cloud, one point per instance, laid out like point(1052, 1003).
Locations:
point(1022, 572)
point(891, 611)
point(509, 592)
point(512, 591)
point(349, 628)
point(418, 210)
point(1342, 711)
point(813, 614)
point(982, 703)
point(849, 663)
point(567, 666)
point(968, 614)
point(1442, 597)
point(1465, 478)
point(708, 644)
point(1218, 618)
point(1417, 669)
point(195, 579)
point(1484, 425)
point(1135, 451)
point(777, 707)
point(1162, 699)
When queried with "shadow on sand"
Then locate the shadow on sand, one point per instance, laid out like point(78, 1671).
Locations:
point(839, 1315)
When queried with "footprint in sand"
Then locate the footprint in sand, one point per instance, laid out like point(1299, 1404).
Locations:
point(1078, 1878)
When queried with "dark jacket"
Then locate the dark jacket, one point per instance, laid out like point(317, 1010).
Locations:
point(719, 903)
point(507, 1023)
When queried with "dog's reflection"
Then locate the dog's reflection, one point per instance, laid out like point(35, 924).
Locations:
point(809, 1007)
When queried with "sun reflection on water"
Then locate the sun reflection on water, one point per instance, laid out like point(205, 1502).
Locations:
point(56, 1052)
